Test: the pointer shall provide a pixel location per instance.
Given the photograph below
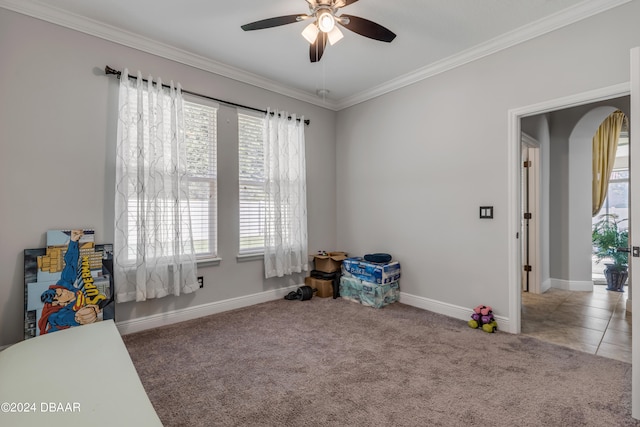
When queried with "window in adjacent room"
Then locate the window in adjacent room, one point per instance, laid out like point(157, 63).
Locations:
point(617, 200)
point(251, 180)
point(201, 138)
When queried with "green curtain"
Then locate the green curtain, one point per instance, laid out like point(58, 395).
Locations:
point(605, 144)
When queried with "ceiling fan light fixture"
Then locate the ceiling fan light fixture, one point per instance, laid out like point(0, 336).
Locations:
point(335, 35)
point(344, 20)
point(310, 32)
point(326, 21)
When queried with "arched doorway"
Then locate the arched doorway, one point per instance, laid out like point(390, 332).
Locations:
point(580, 220)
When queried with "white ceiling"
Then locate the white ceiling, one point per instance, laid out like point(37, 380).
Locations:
point(432, 36)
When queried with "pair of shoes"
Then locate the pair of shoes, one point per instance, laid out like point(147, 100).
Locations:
point(292, 296)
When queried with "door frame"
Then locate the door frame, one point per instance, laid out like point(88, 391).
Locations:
point(513, 182)
point(634, 167)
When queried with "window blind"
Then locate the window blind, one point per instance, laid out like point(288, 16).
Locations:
point(251, 180)
point(201, 139)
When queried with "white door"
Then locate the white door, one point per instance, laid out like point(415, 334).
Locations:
point(530, 214)
point(634, 183)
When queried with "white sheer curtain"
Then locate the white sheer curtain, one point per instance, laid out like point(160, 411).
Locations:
point(285, 249)
point(153, 245)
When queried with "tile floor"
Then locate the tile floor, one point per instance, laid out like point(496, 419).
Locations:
point(594, 322)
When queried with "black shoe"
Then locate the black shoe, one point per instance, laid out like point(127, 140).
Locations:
point(292, 296)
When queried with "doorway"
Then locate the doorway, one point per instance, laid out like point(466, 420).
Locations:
point(515, 117)
point(595, 321)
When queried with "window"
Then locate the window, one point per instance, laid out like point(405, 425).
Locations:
point(251, 180)
point(617, 200)
point(201, 138)
point(200, 122)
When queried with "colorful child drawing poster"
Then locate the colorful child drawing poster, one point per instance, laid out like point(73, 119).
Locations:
point(67, 284)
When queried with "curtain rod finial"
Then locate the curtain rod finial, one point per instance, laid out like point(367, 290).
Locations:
point(109, 70)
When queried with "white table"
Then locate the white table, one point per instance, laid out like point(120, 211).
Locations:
point(80, 376)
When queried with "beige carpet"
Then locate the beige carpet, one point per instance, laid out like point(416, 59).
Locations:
point(328, 362)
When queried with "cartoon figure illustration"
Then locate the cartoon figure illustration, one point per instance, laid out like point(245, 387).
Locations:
point(66, 305)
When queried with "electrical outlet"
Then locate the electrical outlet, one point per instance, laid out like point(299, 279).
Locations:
point(201, 281)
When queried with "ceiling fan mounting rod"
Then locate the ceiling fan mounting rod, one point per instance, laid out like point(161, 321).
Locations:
point(326, 7)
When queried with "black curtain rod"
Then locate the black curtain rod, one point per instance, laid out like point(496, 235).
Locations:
point(108, 70)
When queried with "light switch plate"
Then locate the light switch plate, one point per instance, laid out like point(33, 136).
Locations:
point(486, 212)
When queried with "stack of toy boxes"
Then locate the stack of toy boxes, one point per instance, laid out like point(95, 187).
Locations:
point(371, 284)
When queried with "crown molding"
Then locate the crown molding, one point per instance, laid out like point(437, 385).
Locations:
point(538, 28)
point(110, 33)
point(95, 28)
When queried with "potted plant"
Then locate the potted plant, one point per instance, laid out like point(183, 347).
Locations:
point(611, 243)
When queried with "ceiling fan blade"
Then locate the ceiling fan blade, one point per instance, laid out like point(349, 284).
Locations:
point(342, 3)
point(316, 49)
point(367, 28)
point(272, 22)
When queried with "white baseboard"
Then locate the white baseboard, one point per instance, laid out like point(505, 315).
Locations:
point(545, 286)
point(455, 311)
point(140, 324)
point(162, 319)
point(572, 285)
point(167, 318)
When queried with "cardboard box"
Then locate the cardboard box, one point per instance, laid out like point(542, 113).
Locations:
point(371, 271)
point(367, 293)
point(330, 262)
point(324, 287)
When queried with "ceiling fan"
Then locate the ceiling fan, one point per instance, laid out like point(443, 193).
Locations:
point(323, 27)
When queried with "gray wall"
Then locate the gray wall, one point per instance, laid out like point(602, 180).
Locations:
point(57, 144)
point(414, 165)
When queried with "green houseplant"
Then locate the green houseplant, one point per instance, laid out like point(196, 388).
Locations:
point(611, 242)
